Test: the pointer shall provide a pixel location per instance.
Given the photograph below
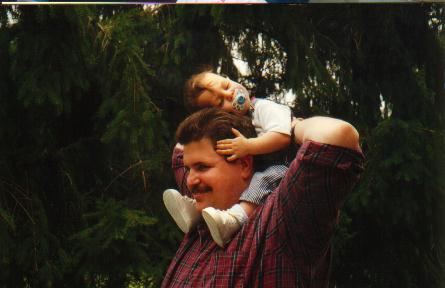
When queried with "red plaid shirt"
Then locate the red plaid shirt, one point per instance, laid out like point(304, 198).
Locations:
point(287, 241)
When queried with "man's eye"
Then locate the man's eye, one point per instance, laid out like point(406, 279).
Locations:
point(202, 167)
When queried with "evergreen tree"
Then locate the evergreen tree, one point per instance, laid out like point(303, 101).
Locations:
point(91, 97)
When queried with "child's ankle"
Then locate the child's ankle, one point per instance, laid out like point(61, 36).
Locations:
point(248, 207)
point(239, 213)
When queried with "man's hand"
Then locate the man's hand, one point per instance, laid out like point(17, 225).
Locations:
point(237, 147)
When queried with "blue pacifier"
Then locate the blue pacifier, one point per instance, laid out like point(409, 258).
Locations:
point(239, 101)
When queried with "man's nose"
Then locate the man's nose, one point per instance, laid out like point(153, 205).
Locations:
point(192, 179)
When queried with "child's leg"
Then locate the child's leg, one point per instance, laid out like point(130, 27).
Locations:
point(261, 185)
point(248, 207)
point(224, 224)
point(296, 137)
point(182, 209)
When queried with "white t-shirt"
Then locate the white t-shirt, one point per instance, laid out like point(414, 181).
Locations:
point(269, 116)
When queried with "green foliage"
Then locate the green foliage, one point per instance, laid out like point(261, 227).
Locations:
point(91, 97)
point(50, 34)
point(396, 209)
point(114, 234)
point(87, 129)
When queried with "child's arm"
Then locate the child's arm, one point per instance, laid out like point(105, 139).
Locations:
point(241, 146)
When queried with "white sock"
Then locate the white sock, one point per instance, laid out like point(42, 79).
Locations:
point(238, 212)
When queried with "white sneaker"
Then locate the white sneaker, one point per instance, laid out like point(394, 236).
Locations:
point(222, 224)
point(182, 209)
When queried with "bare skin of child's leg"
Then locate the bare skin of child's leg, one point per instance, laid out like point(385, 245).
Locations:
point(345, 136)
point(248, 207)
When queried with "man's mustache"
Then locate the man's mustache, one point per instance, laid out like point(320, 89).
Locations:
point(200, 189)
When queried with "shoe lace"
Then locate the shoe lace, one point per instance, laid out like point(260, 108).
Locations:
point(190, 200)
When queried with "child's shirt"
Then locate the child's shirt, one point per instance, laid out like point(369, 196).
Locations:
point(268, 116)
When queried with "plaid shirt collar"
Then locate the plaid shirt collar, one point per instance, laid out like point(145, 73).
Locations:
point(203, 232)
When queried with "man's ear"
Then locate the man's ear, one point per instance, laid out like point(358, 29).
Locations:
point(246, 166)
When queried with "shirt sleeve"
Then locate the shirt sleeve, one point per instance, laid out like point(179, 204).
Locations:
point(310, 195)
point(271, 117)
point(180, 171)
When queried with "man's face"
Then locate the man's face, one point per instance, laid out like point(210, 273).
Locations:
point(214, 181)
point(220, 92)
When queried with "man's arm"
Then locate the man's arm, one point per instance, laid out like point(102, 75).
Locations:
point(315, 187)
point(327, 131)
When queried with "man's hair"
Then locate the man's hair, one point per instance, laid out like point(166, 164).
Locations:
point(192, 90)
point(214, 124)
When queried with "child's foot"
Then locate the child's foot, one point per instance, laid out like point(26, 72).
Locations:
point(182, 209)
point(222, 224)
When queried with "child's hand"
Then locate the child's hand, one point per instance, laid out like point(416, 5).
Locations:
point(237, 147)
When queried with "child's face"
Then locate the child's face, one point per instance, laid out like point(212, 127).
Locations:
point(221, 92)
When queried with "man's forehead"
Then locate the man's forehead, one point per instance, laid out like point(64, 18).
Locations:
point(199, 150)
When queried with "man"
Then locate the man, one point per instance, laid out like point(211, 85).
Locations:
point(286, 241)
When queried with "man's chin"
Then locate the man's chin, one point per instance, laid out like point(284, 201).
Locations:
point(201, 206)
point(201, 200)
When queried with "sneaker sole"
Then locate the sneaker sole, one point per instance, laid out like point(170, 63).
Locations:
point(216, 235)
point(171, 204)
